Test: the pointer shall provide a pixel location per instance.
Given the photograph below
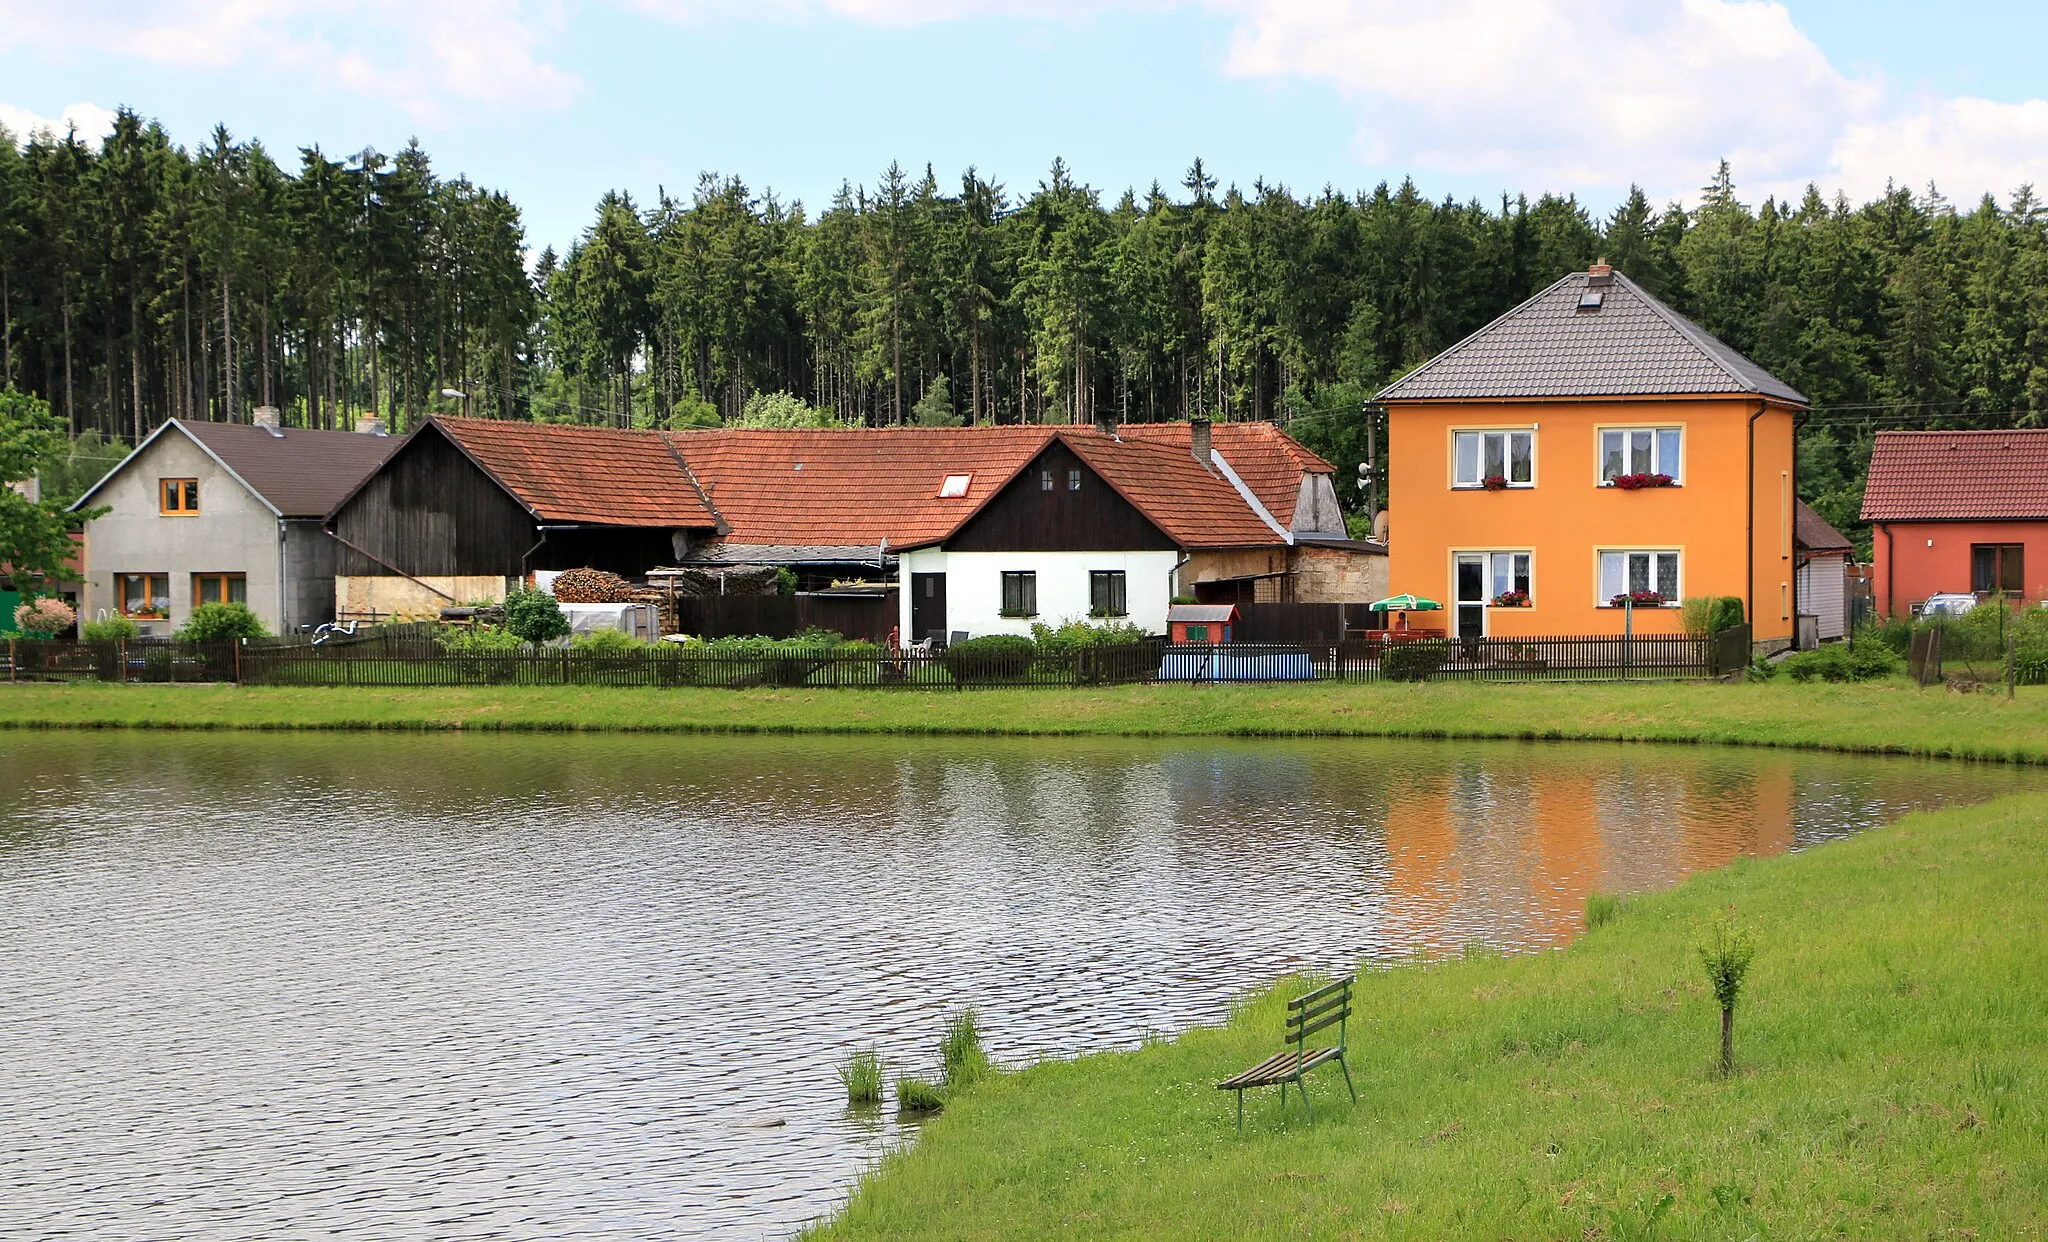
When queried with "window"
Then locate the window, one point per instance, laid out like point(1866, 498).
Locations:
point(1638, 574)
point(1106, 596)
point(1045, 480)
point(1997, 567)
point(955, 485)
point(1640, 450)
point(144, 595)
point(1073, 480)
point(1507, 578)
point(1020, 593)
point(219, 589)
point(177, 497)
point(1197, 633)
point(1509, 456)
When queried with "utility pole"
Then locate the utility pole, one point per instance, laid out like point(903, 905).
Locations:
point(1372, 465)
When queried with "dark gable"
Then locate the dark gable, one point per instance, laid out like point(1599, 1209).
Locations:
point(1025, 517)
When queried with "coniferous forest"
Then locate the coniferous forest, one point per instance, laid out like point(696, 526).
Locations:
point(141, 280)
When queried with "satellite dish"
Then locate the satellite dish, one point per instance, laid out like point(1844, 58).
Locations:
point(1379, 527)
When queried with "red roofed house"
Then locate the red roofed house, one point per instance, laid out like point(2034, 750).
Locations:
point(1954, 511)
point(984, 529)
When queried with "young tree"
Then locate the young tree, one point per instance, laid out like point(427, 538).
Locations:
point(35, 535)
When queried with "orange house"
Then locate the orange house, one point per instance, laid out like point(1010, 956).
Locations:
point(1587, 461)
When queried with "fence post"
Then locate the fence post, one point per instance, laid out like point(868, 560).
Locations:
point(12, 661)
point(2010, 642)
point(238, 660)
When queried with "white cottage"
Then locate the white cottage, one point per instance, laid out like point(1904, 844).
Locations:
point(218, 513)
point(1823, 569)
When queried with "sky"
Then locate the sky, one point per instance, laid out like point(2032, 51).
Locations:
point(557, 101)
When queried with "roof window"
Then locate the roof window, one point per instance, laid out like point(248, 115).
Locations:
point(955, 485)
point(1590, 300)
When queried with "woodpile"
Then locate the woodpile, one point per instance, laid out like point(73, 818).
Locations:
point(592, 586)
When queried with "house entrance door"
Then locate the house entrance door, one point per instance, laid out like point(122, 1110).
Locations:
point(1471, 596)
point(927, 607)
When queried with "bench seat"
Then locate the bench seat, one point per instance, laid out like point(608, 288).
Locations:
point(1280, 1067)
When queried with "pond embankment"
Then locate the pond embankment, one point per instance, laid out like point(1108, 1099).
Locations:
point(1880, 718)
point(1891, 1057)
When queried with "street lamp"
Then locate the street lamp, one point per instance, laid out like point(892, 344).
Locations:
point(458, 395)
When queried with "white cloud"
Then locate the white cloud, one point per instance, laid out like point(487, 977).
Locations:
point(90, 120)
point(431, 59)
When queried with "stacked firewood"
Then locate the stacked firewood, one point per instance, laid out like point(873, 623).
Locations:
point(592, 586)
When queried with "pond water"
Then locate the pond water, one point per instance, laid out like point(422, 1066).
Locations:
point(566, 987)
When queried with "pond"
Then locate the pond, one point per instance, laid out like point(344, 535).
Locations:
point(263, 986)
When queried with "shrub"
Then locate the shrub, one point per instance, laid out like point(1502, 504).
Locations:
point(1726, 614)
point(479, 640)
point(535, 616)
point(1414, 661)
point(960, 1051)
point(1696, 614)
point(992, 657)
point(607, 643)
point(1893, 632)
point(816, 636)
point(1726, 951)
point(915, 1095)
point(1070, 636)
point(1843, 662)
point(42, 618)
point(862, 1077)
point(220, 623)
point(110, 630)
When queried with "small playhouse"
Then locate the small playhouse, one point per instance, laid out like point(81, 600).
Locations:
point(1200, 623)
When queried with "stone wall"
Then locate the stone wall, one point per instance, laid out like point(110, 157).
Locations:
point(390, 596)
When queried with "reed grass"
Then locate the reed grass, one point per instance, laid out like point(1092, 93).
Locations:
point(960, 1051)
point(918, 1095)
point(1601, 909)
point(862, 1077)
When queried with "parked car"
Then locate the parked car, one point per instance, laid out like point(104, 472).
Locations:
point(1948, 604)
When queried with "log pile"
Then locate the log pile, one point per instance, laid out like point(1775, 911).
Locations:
point(592, 586)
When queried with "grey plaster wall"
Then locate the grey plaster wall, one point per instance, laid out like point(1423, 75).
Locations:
point(311, 559)
point(233, 532)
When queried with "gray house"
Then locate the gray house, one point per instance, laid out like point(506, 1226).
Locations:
point(222, 513)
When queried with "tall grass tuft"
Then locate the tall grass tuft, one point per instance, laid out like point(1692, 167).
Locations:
point(915, 1095)
point(960, 1051)
point(1601, 909)
point(862, 1075)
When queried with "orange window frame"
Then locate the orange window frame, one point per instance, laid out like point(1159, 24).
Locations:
point(153, 587)
point(214, 589)
point(177, 497)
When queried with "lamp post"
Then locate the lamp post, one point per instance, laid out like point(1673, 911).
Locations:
point(458, 395)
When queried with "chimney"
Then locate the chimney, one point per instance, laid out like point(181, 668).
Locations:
point(264, 416)
point(369, 425)
point(1198, 439)
point(1106, 424)
point(1600, 273)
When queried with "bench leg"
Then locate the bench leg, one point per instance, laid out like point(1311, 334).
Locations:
point(1301, 1085)
point(1347, 1079)
point(1240, 1110)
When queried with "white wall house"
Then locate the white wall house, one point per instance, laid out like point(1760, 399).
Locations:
point(1063, 586)
point(221, 513)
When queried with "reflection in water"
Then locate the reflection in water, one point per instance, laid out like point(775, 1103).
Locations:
point(560, 987)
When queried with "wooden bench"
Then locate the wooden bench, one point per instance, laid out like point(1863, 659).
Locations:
point(1323, 1008)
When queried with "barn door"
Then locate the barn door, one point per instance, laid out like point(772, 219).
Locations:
point(927, 607)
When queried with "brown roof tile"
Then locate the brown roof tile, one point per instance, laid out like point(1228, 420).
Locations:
point(1270, 461)
point(302, 474)
point(1918, 476)
point(1194, 506)
point(1813, 532)
point(601, 476)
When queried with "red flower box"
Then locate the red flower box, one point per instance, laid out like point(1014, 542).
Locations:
point(1495, 482)
point(1641, 599)
point(1637, 482)
point(1511, 599)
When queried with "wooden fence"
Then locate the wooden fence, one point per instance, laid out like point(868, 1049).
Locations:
point(785, 616)
point(404, 660)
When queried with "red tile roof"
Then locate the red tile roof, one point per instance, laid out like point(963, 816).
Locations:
point(1270, 461)
point(1918, 476)
point(601, 476)
point(1196, 507)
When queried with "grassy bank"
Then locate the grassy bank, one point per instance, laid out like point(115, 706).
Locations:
point(1891, 718)
point(1892, 1056)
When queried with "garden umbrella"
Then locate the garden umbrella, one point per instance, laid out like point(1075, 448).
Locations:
point(1404, 603)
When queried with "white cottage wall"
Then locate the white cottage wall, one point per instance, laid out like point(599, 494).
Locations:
point(974, 587)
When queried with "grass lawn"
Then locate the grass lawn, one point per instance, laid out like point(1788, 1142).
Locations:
point(1892, 717)
point(1892, 1058)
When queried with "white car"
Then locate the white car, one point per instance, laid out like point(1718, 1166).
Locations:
point(1948, 603)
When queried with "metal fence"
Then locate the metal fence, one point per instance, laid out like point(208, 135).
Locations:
point(409, 657)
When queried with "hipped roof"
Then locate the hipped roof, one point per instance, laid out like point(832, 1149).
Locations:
point(1632, 346)
point(1919, 476)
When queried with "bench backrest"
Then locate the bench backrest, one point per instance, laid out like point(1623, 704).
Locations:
point(1325, 1007)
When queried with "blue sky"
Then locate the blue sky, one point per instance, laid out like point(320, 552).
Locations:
point(556, 101)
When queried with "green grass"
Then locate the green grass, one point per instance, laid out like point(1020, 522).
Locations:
point(1891, 1059)
point(915, 1095)
point(961, 1053)
point(1888, 717)
point(862, 1077)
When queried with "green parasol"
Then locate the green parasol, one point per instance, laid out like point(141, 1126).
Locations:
point(1404, 603)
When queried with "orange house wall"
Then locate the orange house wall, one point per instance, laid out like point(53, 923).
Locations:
point(1567, 517)
point(1926, 558)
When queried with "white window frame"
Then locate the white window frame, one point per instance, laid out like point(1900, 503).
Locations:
point(1656, 432)
point(1603, 596)
point(1481, 435)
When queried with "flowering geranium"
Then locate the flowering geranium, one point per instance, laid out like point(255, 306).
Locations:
point(40, 618)
point(1511, 599)
point(1636, 482)
point(1494, 482)
point(1641, 599)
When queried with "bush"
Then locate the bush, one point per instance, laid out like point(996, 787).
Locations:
point(110, 630)
point(1842, 662)
point(960, 1051)
point(607, 643)
point(1726, 614)
point(862, 1077)
point(479, 640)
point(915, 1095)
point(1893, 632)
point(535, 616)
point(1696, 614)
point(992, 657)
point(1414, 661)
point(1071, 636)
point(220, 623)
point(43, 618)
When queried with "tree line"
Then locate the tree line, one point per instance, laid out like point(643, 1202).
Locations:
point(140, 280)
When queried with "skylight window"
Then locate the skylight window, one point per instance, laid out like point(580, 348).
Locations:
point(1590, 300)
point(955, 485)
